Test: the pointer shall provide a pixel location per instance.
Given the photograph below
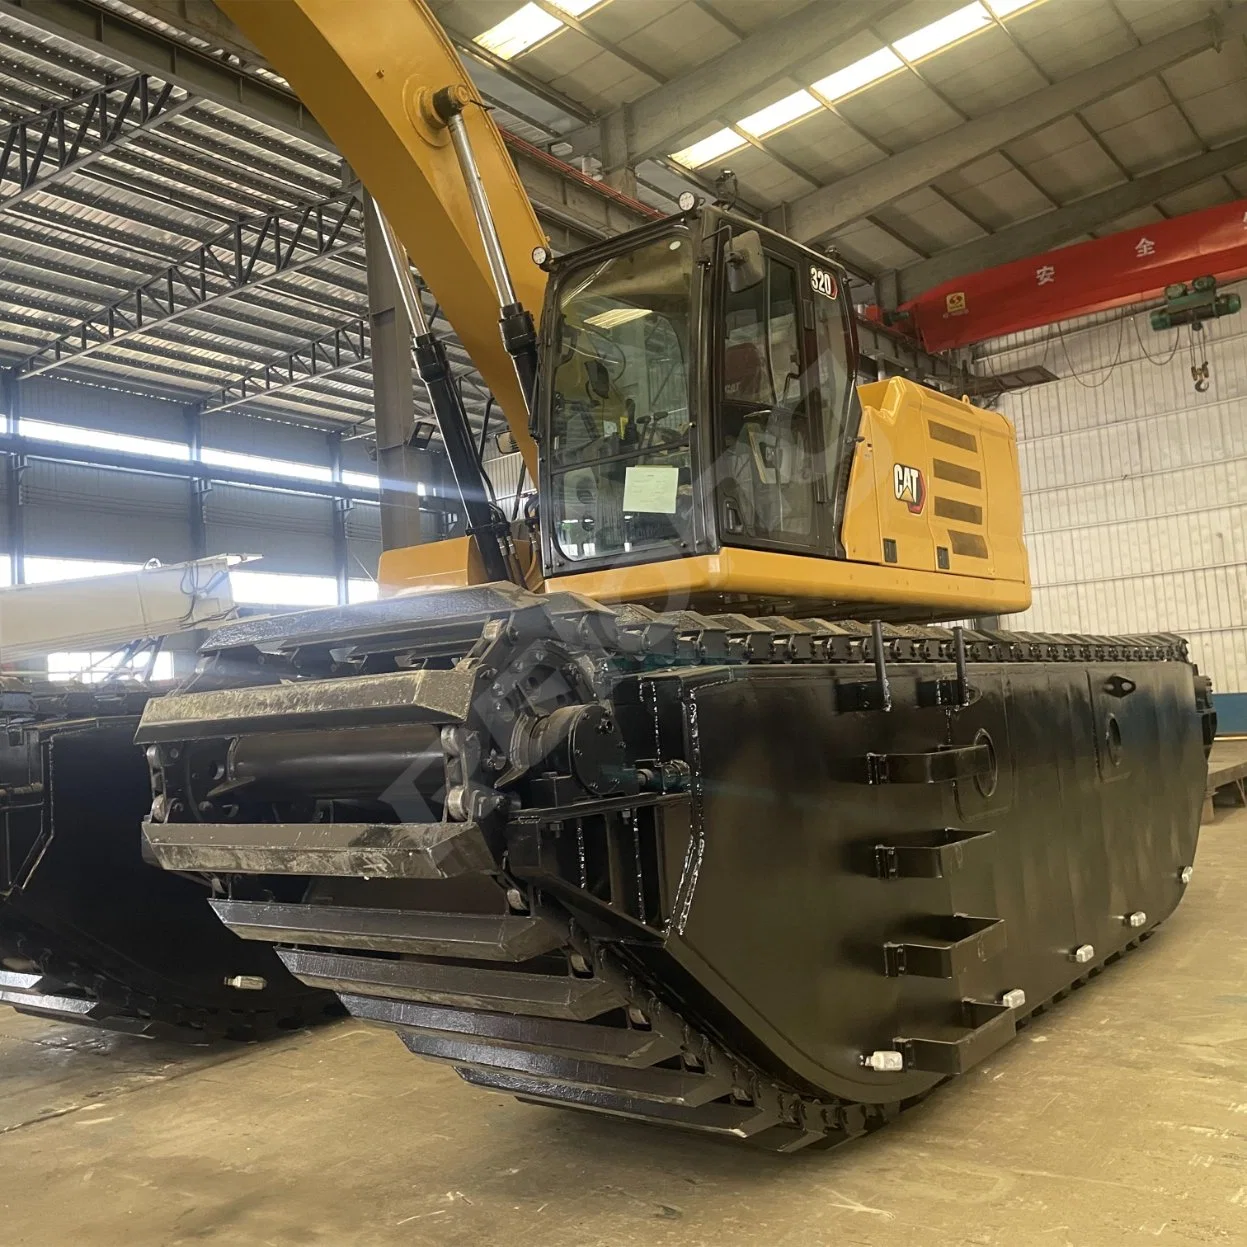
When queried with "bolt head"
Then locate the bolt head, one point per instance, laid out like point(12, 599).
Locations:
point(1136, 919)
point(1083, 954)
point(1186, 873)
point(1014, 999)
point(246, 982)
point(884, 1061)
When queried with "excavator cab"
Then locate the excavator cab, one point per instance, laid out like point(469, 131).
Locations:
point(704, 444)
point(698, 392)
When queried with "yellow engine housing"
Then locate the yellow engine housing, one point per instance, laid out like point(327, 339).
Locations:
point(932, 529)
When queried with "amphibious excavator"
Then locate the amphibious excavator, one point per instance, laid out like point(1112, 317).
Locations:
point(91, 932)
point(671, 799)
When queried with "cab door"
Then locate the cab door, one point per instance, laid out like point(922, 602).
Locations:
point(771, 488)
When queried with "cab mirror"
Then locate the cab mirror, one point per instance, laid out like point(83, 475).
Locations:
point(745, 264)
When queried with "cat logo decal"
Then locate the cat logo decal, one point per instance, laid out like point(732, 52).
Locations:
point(909, 487)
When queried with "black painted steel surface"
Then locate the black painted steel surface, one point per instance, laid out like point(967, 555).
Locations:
point(762, 877)
point(89, 931)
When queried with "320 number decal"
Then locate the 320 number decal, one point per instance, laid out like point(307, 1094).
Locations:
point(824, 283)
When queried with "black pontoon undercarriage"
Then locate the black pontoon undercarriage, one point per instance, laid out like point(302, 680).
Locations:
point(755, 876)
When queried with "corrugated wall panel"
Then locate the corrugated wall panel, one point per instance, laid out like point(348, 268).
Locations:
point(76, 511)
point(363, 538)
point(92, 407)
point(505, 472)
point(1134, 485)
point(73, 511)
point(356, 456)
point(293, 532)
point(232, 430)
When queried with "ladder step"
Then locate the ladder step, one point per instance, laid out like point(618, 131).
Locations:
point(931, 855)
point(612, 1045)
point(936, 766)
point(946, 947)
point(659, 1086)
point(465, 987)
point(989, 1027)
point(363, 850)
point(483, 937)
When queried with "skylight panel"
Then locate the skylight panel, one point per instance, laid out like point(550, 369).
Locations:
point(858, 75)
point(782, 113)
point(578, 8)
point(1006, 8)
point(708, 149)
point(938, 35)
point(530, 25)
point(969, 20)
point(518, 33)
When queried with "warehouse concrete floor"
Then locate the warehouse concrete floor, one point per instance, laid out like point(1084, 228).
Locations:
point(1120, 1116)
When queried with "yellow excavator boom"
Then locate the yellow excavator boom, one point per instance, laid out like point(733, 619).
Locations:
point(368, 72)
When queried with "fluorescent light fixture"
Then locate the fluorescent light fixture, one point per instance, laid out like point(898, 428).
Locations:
point(708, 149)
point(858, 75)
point(530, 25)
point(938, 35)
point(518, 33)
point(782, 113)
point(969, 20)
point(615, 316)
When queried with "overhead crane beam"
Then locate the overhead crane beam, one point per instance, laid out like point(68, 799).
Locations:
point(1065, 224)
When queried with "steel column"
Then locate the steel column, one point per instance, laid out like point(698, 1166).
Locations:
point(402, 468)
point(198, 487)
point(14, 470)
point(341, 509)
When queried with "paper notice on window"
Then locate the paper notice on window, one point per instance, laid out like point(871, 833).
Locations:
point(651, 488)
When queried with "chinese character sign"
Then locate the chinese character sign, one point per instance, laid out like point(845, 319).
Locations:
point(1118, 269)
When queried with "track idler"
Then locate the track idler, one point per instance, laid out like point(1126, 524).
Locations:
point(90, 932)
point(757, 877)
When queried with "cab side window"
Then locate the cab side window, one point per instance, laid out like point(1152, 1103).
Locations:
point(833, 373)
point(767, 483)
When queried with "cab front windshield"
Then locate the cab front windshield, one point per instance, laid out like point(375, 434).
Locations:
point(619, 436)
